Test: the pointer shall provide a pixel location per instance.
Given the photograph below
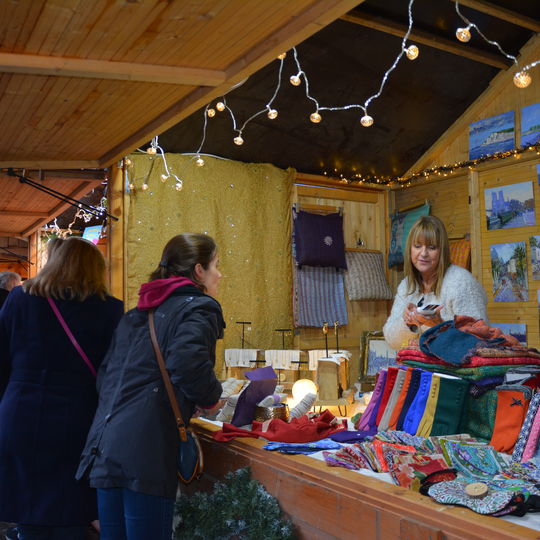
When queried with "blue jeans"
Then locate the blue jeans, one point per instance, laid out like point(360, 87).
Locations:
point(127, 515)
point(34, 532)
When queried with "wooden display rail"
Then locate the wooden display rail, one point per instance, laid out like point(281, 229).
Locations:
point(329, 503)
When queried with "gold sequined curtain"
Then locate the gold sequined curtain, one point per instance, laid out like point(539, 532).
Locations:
point(246, 208)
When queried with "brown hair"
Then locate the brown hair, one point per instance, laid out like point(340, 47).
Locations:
point(430, 230)
point(182, 253)
point(74, 272)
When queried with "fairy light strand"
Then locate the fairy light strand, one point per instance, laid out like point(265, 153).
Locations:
point(472, 25)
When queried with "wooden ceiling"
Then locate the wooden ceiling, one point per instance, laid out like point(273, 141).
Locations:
point(83, 83)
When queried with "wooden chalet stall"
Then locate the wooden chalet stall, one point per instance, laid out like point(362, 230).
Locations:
point(84, 84)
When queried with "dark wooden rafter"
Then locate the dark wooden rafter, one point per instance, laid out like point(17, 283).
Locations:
point(426, 38)
point(501, 13)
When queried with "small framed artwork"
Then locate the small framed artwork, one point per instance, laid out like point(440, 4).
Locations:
point(376, 355)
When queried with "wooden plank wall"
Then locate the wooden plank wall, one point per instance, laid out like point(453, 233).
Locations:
point(364, 215)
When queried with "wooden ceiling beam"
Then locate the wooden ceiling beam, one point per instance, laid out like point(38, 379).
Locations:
point(24, 213)
point(103, 69)
point(43, 165)
point(502, 13)
point(426, 38)
point(298, 29)
point(12, 234)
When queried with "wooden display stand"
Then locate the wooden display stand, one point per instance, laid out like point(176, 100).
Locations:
point(328, 503)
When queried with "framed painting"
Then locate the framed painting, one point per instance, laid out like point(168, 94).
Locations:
point(376, 355)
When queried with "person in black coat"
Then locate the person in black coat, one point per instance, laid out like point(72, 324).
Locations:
point(47, 391)
point(8, 281)
point(130, 454)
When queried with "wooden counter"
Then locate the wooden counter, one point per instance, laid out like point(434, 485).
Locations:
point(328, 503)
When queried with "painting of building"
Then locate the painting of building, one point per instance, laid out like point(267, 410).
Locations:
point(509, 272)
point(510, 206)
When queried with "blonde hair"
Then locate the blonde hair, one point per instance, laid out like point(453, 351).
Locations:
point(429, 230)
point(75, 272)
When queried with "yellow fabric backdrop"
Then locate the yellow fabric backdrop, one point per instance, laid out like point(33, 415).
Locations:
point(246, 208)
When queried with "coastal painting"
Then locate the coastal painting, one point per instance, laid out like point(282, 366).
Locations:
point(509, 272)
point(534, 242)
point(517, 330)
point(491, 135)
point(530, 125)
point(510, 206)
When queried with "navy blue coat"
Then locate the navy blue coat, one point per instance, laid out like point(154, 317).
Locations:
point(133, 441)
point(47, 402)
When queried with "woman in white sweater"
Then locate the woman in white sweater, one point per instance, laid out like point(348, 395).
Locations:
point(430, 278)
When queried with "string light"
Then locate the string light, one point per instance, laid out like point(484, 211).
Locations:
point(366, 120)
point(315, 117)
point(282, 56)
point(412, 52)
point(272, 114)
point(144, 187)
point(238, 140)
point(522, 79)
point(199, 161)
point(295, 80)
point(464, 34)
point(220, 106)
point(210, 112)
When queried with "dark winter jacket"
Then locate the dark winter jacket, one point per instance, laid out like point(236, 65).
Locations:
point(47, 401)
point(133, 441)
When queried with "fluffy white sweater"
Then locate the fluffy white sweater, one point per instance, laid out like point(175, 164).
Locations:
point(461, 294)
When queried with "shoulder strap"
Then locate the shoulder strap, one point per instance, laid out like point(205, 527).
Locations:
point(166, 379)
point(70, 335)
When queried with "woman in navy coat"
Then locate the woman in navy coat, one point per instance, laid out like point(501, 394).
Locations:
point(47, 391)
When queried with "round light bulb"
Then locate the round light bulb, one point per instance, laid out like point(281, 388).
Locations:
point(199, 161)
point(128, 162)
point(178, 186)
point(144, 187)
point(302, 387)
point(282, 56)
point(131, 186)
point(463, 34)
point(412, 52)
point(164, 177)
point(272, 113)
point(366, 120)
point(238, 140)
point(315, 117)
point(151, 150)
point(295, 80)
point(522, 79)
point(211, 113)
point(220, 106)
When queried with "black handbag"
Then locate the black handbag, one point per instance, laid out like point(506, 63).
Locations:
point(190, 460)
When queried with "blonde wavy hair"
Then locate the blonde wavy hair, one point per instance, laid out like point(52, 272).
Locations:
point(75, 270)
point(428, 230)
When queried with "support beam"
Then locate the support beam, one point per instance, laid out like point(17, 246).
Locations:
point(36, 165)
point(103, 69)
point(501, 13)
point(426, 38)
point(23, 213)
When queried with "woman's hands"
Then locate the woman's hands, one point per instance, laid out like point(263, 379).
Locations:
point(209, 412)
point(413, 318)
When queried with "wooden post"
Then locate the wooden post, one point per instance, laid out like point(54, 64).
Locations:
point(116, 234)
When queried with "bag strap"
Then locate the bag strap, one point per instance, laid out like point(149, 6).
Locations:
point(166, 379)
point(70, 335)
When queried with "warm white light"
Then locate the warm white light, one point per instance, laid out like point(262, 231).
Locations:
point(295, 80)
point(463, 34)
point(366, 120)
point(315, 117)
point(522, 79)
point(302, 387)
point(282, 56)
point(220, 106)
point(211, 113)
point(164, 177)
point(199, 161)
point(238, 140)
point(412, 52)
point(128, 162)
point(144, 187)
point(272, 113)
point(178, 185)
point(151, 150)
point(131, 186)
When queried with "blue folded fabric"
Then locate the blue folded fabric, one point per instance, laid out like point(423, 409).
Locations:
point(353, 436)
point(302, 448)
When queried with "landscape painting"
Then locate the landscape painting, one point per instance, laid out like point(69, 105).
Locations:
point(509, 272)
point(530, 125)
point(510, 206)
point(517, 330)
point(534, 242)
point(491, 135)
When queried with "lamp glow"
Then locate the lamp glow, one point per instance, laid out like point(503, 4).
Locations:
point(178, 185)
point(315, 117)
point(220, 106)
point(522, 79)
point(463, 34)
point(295, 80)
point(238, 140)
point(211, 113)
point(144, 187)
point(164, 177)
point(282, 56)
point(199, 161)
point(272, 113)
point(302, 387)
point(412, 52)
point(151, 150)
point(366, 120)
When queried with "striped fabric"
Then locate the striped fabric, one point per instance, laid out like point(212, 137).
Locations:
point(240, 357)
point(365, 278)
point(319, 296)
point(282, 358)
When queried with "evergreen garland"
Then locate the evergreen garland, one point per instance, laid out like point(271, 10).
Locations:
point(238, 508)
